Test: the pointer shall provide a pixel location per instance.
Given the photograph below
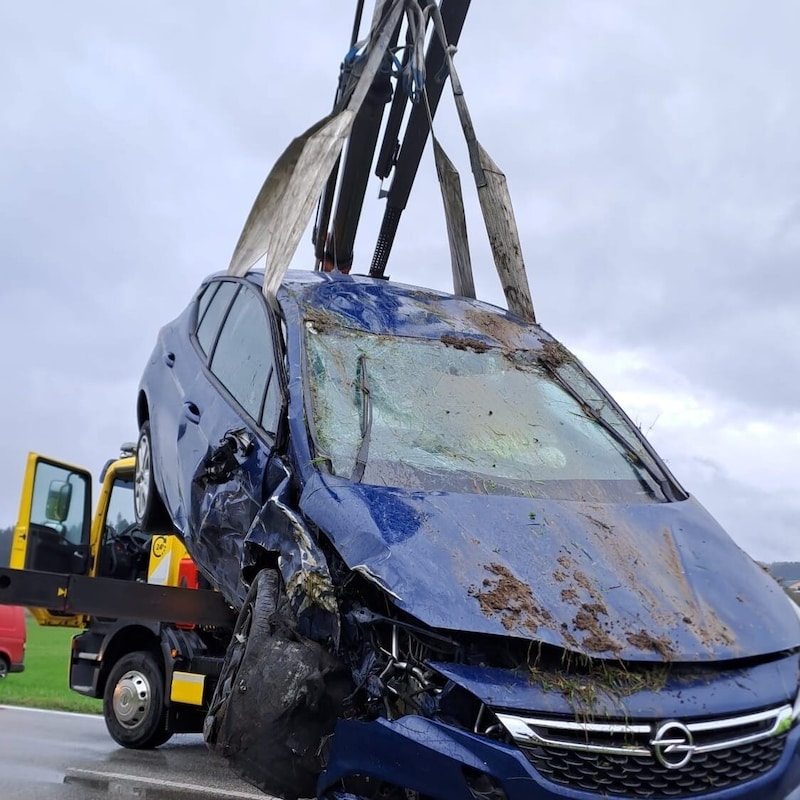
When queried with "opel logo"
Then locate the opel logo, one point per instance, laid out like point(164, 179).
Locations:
point(673, 745)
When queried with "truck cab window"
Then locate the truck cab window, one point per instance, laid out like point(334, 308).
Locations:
point(125, 550)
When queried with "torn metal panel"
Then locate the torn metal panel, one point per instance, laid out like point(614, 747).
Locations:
point(219, 519)
point(280, 530)
point(441, 756)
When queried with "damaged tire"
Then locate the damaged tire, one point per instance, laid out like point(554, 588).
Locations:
point(133, 702)
point(278, 696)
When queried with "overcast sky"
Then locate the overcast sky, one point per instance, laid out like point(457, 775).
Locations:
point(651, 150)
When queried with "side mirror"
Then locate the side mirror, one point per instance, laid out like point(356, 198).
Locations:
point(59, 496)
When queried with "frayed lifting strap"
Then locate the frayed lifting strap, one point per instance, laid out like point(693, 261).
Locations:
point(493, 195)
point(286, 200)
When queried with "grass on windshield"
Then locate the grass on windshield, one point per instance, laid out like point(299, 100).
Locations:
point(45, 681)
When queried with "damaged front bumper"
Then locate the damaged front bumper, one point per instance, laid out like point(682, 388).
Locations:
point(444, 762)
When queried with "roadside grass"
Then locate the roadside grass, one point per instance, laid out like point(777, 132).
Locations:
point(45, 681)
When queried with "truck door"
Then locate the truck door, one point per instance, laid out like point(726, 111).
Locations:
point(54, 525)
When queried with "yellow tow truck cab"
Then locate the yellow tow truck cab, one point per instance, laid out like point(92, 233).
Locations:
point(56, 532)
point(153, 635)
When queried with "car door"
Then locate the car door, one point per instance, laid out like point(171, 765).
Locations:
point(54, 526)
point(233, 412)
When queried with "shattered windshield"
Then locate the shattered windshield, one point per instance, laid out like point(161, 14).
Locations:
point(424, 415)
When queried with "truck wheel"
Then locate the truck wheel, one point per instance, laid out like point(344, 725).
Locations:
point(3, 667)
point(133, 702)
point(151, 513)
point(278, 696)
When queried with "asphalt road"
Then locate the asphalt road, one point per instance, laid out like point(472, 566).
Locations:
point(49, 755)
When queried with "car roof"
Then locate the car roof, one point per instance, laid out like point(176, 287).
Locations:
point(379, 306)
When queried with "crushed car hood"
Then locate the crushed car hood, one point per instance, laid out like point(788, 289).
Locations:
point(637, 581)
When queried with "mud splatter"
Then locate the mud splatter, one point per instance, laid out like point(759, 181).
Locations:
point(646, 641)
point(599, 642)
point(583, 581)
point(604, 526)
point(421, 294)
point(596, 640)
point(554, 355)
point(464, 342)
point(673, 561)
point(569, 595)
point(505, 595)
point(500, 328)
point(595, 608)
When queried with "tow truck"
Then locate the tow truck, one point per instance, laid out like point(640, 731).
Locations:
point(152, 636)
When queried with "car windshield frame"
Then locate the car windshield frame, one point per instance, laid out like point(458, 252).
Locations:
point(388, 433)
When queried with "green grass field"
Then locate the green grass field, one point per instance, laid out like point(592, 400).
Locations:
point(45, 681)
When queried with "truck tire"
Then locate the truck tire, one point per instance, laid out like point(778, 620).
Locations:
point(278, 696)
point(151, 513)
point(133, 702)
point(3, 667)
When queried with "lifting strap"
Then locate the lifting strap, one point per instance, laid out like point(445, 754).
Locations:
point(286, 200)
point(493, 195)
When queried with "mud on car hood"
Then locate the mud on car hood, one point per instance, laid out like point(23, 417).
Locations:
point(638, 581)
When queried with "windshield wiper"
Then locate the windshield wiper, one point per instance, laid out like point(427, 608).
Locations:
point(366, 420)
point(632, 455)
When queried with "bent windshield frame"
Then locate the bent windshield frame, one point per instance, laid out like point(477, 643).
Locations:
point(469, 419)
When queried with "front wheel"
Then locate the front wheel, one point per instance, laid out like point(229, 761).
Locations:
point(278, 696)
point(151, 513)
point(3, 667)
point(133, 702)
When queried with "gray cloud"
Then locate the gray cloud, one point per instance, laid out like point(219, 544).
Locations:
point(650, 149)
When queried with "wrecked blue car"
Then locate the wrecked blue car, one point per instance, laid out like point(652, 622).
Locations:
point(461, 571)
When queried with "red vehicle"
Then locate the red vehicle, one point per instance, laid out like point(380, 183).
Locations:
point(12, 639)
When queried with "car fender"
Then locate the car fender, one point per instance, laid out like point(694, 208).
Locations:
point(280, 531)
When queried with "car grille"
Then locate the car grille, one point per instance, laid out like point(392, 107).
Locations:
point(659, 760)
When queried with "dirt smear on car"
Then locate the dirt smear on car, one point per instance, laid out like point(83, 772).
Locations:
point(506, 596)
point(464, 342)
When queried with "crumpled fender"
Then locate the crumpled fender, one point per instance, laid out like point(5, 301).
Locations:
point(278, 529)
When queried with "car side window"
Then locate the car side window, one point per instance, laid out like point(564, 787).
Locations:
point(244, 360)
point(215, 313)
point(205, 299)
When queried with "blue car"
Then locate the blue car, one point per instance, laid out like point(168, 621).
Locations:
point(461, 571)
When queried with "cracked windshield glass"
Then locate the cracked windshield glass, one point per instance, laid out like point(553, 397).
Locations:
point(422, 415)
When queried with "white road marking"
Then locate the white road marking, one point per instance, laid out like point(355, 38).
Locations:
point(109, 779)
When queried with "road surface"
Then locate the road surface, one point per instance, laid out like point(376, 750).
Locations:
point(50, 755)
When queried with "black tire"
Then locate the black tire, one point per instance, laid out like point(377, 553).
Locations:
point(278, 696)
point(133, 702)
point(151, 513)
point(251, 626)
point(3, 667)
